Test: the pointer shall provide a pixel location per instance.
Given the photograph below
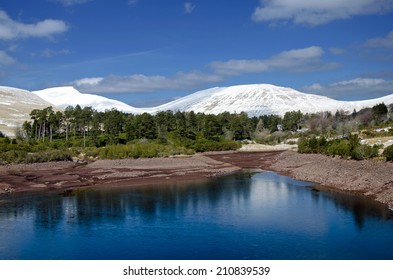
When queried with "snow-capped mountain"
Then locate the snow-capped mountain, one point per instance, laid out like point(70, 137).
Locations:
point(69, 96)
point(15, 107)
point(262, 99)
point(255, 100)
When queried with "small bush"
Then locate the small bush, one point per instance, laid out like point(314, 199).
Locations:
point(51, 155)
point(339, 148)
point(13, 156)
point(312, 145)
point(364, 152)
point(388, 153)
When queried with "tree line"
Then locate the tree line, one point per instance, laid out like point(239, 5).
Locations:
point(114, 127)
point(114, 134)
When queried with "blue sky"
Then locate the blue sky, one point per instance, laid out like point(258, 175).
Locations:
point(147, 52)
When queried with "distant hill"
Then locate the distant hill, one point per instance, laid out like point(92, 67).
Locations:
point(263, 99)
point(65, 96)
point(255, 100)
point(15, 107)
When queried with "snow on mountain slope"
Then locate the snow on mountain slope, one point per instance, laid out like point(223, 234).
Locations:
point(262, 99)
point(15, 107)
point(255, 100)
point(66, 96)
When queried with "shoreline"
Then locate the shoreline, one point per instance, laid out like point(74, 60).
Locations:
point(65, 176)
point(368, 177)
point(371, 178)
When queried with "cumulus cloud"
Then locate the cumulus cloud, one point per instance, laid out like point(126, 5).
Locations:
point(142, 83)
point(5, 59)
point(296, 60)
point(11, 30)
point(358, 88)
point(88, 81)
point(317, 12)
point(381, 42)
point(189, 7)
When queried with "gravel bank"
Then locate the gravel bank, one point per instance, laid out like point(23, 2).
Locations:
point(370, 177)
point(67, 175)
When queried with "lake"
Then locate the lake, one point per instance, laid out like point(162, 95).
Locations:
point(244, 216)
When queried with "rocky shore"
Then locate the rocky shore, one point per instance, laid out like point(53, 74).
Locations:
point(369, 177)
point(68, 175)
point(372, 178)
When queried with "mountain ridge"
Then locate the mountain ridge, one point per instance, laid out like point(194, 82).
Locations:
point(254, 99)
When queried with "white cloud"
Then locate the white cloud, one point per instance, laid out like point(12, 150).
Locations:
point(10, 29)
point(357, 88)
point(383, 42)
point(360, 82)
point(88, 81)
point(319, 11)
point(72, 2)
point(189, 7)
point(5, 59)
point(297, 60)
point(143, 83)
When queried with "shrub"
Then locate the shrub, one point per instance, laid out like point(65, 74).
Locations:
point(364, 152)
point(205, 145)
point(339, 148)
point(51, 155)
point(312, 145)
point(388, 153)
point(143, 150)
point(13, 156)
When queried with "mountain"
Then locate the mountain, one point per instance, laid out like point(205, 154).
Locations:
point(262, 99)
point(15, 107)
point(66, 96)
point(255, 100)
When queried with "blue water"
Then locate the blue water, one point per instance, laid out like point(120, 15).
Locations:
point(259, 216)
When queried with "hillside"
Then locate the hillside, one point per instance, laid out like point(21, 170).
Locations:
point(255, 100)
point(15, 107)
point(66, 96)
point(263, 99)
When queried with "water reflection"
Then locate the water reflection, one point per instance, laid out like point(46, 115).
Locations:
point(359, 206)
point(150, 202)
point(232, 217)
